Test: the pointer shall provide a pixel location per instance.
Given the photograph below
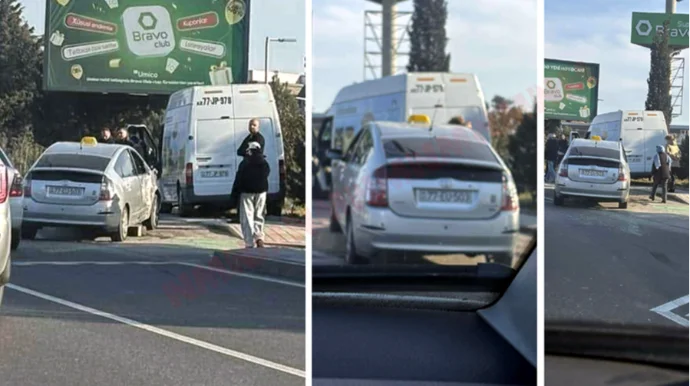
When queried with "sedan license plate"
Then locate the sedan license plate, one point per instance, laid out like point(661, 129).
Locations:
point(214, 173)
point(444, 196)
point(67, 191)
point(592, 173)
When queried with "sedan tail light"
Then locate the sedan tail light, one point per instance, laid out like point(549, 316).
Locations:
point(3, 184)
point(106, 190)
point(510, 202)
point(621, 174)
point(27, 186)
point(563, 170)
point(377, 189)
point(17, 190)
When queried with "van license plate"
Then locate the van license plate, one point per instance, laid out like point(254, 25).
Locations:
point(214, 173)
point(635, 158)
point(444, 196)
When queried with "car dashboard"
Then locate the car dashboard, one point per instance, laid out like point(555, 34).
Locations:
point(383, 339)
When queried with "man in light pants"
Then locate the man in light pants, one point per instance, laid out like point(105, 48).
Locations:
point(252, 180)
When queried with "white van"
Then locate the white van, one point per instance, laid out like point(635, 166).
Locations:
point(639, 131)
point(441, 96)
point(203, 129)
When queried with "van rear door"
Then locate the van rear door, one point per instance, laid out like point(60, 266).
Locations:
point(215, 157)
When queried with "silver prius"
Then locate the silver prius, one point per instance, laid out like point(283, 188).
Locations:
point(411, 187)
point(596, 169)
point(104, 187)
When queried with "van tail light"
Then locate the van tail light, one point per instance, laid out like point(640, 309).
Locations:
point(189, 174)
point(3, 184)
point(563, 170)
point(107, 192)
point(621, 174)
point(377, 188)
point(282, 170)
point(27, 186)
point(510, 201)
point(17, 190)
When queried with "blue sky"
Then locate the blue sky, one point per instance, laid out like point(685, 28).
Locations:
point(497, 40)
point(599, 32)
point(274, 18)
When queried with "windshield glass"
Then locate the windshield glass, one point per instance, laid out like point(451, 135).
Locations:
point(442, 147)
point(79, 161)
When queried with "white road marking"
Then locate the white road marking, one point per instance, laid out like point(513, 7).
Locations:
point(666, 310)
point(183, 263)
point(162, 332)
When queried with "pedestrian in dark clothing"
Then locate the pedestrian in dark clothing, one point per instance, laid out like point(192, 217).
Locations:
point(562, 148)
point(253, 136)
point(661, 172)
point(252, 184)
point(106, 136)
point(551, 157)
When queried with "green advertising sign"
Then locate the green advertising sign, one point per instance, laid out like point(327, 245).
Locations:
point(646, 25)
point(571, 90)
point(156, 47)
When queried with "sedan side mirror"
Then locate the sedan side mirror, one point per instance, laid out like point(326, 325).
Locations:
point(334, 154)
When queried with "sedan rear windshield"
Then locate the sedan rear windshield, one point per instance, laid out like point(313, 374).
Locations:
point(81, 161)
point(588, 151)
point(441, 147)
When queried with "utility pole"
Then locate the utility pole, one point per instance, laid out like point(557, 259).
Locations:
point(671, 6)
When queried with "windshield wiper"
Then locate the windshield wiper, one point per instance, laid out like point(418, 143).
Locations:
point(403, 149)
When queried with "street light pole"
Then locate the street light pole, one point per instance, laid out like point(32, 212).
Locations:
point(266, 52)
point(671, 6)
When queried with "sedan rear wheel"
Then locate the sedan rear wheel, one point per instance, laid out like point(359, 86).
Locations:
point(152, 222)
point(122, 228)
point(351, 256)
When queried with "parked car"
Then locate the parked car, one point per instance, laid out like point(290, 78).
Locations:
point(104, 187)
point(409, 187)
point(5, 229)
point(16, 198)
point(595, 169)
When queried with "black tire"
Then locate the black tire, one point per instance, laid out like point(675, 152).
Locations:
point(183, 209)
point(275, 208)
point(351, 255)
point(623, 205)
point(166, 208)
point(152, 222)
point(16, 238)
point(29, 232)
point(333, 224)
point(558, 200)
point(123, 228)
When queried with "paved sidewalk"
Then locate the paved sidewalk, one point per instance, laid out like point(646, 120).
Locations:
point(277, 232)
point(680, 195)
point(285, 263)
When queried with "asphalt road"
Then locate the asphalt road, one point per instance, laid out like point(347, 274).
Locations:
point(328, 248)
point(148, 311)
point(610, 265)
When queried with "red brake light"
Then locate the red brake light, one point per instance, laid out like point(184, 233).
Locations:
point(17, 190)
point(3, 183)
point(282, 170)
point(510, 197)
point(27, 186)
point(377, 189)
point(621, 174)
point(563, 170)
point(189, 174)
point(106, 190)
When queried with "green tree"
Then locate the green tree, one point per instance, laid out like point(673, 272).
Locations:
point(428, 38)
point(523, 149)
point(294, 130)
point(504, 118)
point(659, 81)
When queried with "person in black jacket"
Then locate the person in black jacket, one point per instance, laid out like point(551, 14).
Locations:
point(252, 184)
point(253, 136)
point(106, 136)
point(551, 157)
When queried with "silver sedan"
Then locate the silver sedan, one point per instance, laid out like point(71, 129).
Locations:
point(104, 187)
point(402, 187)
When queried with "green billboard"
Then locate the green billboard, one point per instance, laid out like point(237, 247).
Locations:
point(571, 90)
point(646, 25)
point(152, 47)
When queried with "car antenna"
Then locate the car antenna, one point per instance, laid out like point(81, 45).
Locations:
point(433, 119)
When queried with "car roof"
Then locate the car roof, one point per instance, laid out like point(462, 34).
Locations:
point(100, 150)
point(404, 129)
point(613, 145)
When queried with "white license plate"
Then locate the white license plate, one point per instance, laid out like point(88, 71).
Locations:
point(214, 173)
point(444, 196)
point(592, 173)
point(67, 191)
point(635, 159)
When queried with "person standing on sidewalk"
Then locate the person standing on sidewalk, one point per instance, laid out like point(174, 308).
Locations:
point(253, 136)
point(551, 157)
point(252, 184)
point(661, 168)
point(673, 152)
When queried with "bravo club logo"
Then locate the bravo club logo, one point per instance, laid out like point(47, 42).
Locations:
point(149, 31)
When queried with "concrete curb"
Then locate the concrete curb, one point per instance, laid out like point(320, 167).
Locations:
point(224, 227)
point(240, 262)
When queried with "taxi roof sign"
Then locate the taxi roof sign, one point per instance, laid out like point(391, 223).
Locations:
point(596, 138)
point(89, 141)
point(419, 118)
